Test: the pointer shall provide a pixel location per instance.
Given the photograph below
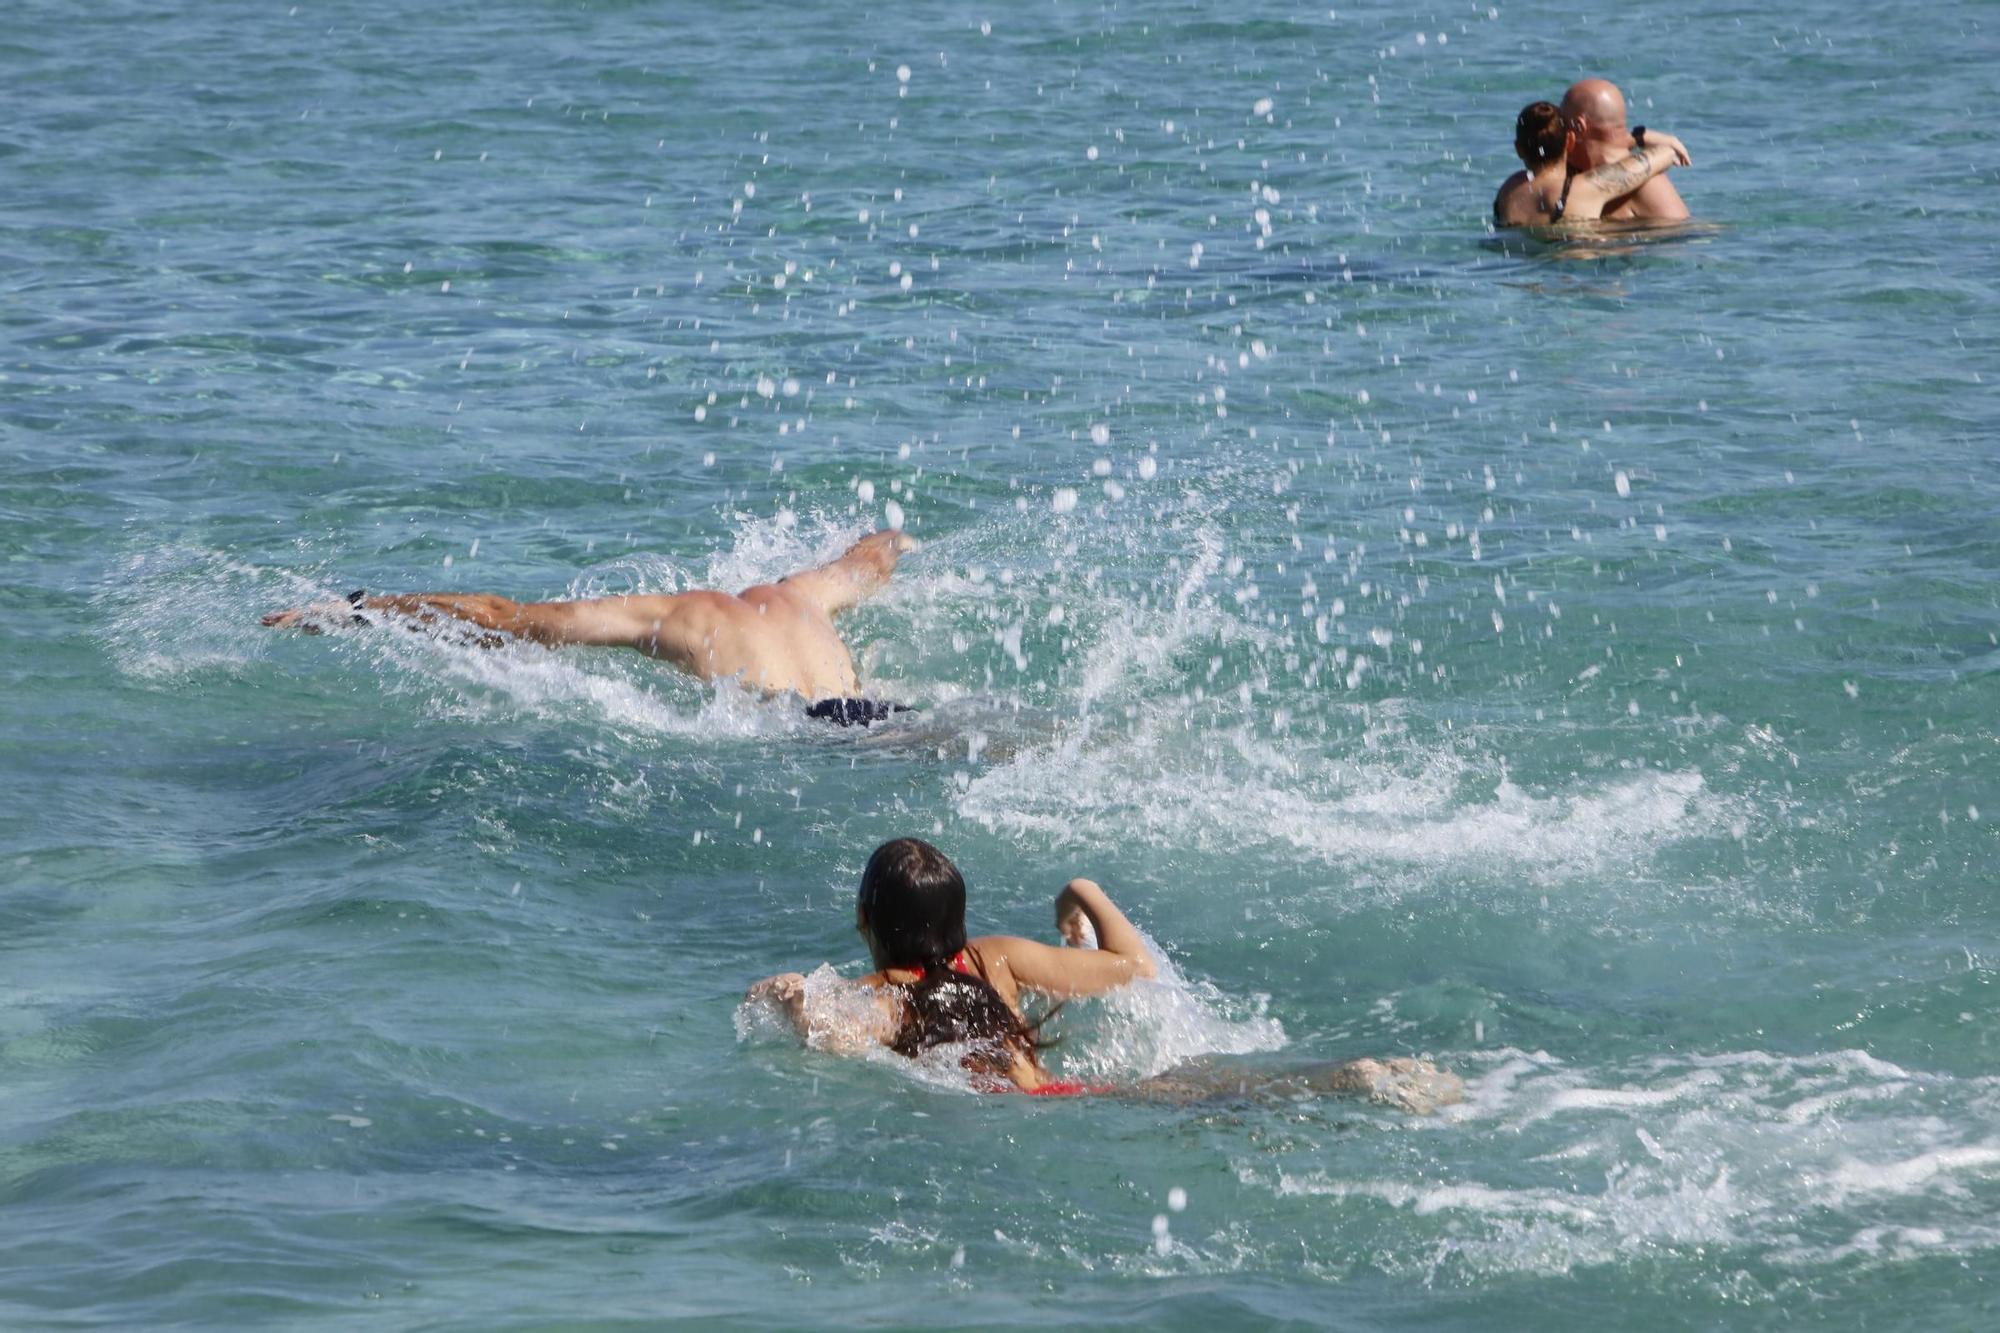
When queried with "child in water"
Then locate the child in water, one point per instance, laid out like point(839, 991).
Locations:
point(933, 987)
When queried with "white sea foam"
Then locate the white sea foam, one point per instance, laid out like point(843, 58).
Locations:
point(769, 546)
point(171, 612)
point(1134, 650)
point(1157, 781)
point(1904, 1175)
point(1694, 1151)
point(1154, 747)
point(521, 680)
point(1427, 1199)
point(1626, 1099)
point(1148, 1027)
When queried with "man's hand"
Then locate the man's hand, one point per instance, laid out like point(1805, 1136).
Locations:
point(860, 570)
point(314, 619)
point(321, 616)
point(1667, 140)
point(887, 544)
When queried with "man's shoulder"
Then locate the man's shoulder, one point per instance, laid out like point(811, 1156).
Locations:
point(760, 599)
point(1659, 200)
point(692, 613)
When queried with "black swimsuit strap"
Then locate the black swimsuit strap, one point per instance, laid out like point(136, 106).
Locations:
point(1563, 203)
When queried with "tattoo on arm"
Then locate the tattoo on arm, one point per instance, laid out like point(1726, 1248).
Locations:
point(1625, 175)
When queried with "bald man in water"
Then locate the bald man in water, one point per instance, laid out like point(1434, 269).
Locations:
point(1596, 110)
point(775, 638)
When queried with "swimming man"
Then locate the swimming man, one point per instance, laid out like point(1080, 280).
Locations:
point(776, 638)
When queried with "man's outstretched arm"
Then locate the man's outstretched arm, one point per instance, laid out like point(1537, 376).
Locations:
point(855, 576)
point(603, 621)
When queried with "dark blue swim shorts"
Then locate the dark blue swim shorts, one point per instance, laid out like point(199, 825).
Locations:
point(853, 712)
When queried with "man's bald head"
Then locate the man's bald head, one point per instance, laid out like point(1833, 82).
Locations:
point(1596, 108)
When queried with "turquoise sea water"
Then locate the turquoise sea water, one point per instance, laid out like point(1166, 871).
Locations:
point(1574, 663)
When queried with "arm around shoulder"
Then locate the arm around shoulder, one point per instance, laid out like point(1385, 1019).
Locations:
point(1642, 164)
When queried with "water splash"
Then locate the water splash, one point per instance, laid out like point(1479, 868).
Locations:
point(1140, 1029)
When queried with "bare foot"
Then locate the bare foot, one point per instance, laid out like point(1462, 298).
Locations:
point(1416, 1086)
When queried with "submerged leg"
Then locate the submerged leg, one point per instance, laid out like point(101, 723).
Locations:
point(1416, 1086)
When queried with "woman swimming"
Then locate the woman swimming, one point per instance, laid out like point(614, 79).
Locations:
point(933, 987)
point(1551, 191)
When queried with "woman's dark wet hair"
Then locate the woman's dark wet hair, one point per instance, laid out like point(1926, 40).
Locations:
point(913, 901)
point(1541, 133)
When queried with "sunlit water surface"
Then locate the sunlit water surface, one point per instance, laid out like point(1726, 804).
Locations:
point(1572, 662)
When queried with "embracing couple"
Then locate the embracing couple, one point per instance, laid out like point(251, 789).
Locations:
point(1583, 164)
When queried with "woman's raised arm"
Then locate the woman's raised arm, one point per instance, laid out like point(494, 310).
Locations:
point(1120, 956)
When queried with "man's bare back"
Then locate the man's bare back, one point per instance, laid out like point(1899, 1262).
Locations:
point(775, 637)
